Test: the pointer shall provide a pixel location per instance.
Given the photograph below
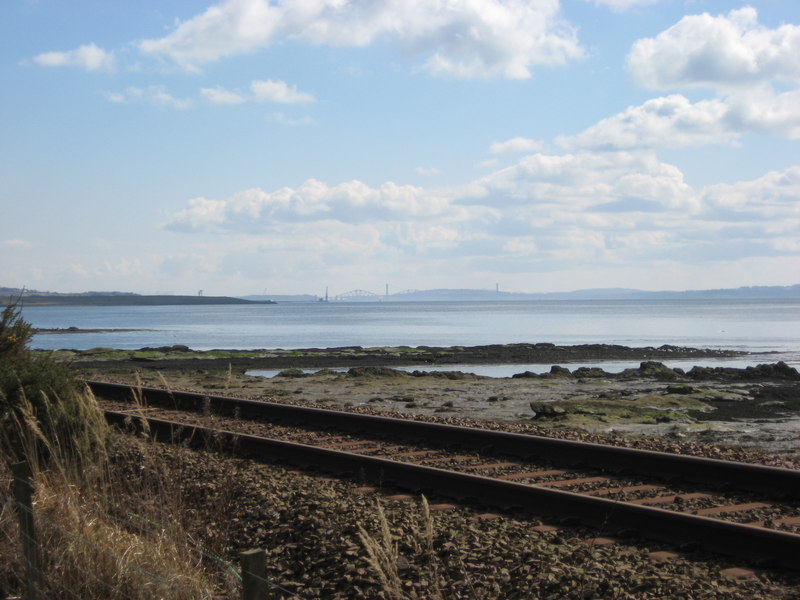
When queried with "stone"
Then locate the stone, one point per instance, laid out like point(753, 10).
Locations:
point(652, 368)
point(547, 410)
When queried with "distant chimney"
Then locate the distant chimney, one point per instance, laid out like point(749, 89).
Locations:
point(199, 292)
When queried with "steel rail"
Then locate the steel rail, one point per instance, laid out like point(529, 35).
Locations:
point(610, 516)
point(707, 471)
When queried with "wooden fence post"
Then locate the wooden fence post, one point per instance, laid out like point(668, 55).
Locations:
point(23, 496)
point(254, 574)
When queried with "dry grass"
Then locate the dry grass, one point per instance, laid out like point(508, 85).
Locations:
point(102, 530)
point(386, 561)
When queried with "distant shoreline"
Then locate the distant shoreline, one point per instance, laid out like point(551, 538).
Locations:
point(68, 330)
point(123, 300)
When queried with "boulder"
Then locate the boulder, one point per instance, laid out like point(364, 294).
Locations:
point(374, 372)
point(558, 371)
point(652, 368)
point(547, 410)
point(292, 373)
point(525, 375)
point(590, 373)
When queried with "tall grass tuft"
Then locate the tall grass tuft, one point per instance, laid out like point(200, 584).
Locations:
point(108, 519)
point(425, 573)
point(382, 556)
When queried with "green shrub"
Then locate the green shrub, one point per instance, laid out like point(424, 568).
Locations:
point(43, 409)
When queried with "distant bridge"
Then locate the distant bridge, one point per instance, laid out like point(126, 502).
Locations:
point(361, 295)
point(355, 294)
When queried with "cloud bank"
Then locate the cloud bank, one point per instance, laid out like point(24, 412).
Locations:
point(460, 38)
point(546, 212)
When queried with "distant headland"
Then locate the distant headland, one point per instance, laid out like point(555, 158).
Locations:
point(34, 298)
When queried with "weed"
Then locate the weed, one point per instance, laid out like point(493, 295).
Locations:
point(107, 518)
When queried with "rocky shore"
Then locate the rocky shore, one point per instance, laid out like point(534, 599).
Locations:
point(754, 406)
point(182, 357)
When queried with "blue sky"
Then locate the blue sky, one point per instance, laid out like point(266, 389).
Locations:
point(251, 146)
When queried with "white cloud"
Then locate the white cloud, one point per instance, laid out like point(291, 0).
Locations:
point(220, 96)
point(515, 145)
point(279, 91)
point(89, 57)
point(620, 5)
point(675, 122)
point(420, 237)
point(463, 38)
point(775, 195)
point(349, 202)
point(667, 122)
point(524, 246)
point(157, 95)
point(268, 90)
point(732, 54)
point(427, 171)
point(762, 111)
point(574, 182)
point(727, 51)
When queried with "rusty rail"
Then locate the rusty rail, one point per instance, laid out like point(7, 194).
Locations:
point(707, 471)
point(719, 536)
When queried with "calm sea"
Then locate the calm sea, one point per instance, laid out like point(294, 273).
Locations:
point(751, 325)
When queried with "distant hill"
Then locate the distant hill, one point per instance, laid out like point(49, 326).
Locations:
point(471, 295)
point(748, 293)
point(27, 298)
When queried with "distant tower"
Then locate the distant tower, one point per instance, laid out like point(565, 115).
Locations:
point(497, 287)
point(387, 290)
point(199, 292)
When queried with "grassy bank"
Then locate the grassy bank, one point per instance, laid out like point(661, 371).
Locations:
point(102, 530)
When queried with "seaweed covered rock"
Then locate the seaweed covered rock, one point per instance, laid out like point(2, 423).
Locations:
point(590, 373)
point(452, 375)
point(558, 371)
point(547, 410)
point(292, 373)
point(658, 370)
point(779, 371)
point(375, 372)
point(525, 375)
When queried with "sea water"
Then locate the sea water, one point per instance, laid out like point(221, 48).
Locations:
point(750, 325)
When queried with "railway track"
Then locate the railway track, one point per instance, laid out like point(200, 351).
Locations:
point(746, 510)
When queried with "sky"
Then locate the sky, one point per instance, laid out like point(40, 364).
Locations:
point(263, 147)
